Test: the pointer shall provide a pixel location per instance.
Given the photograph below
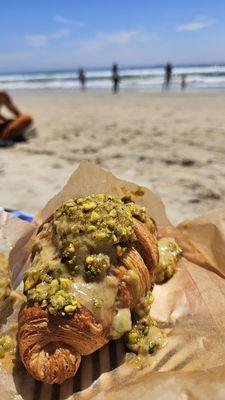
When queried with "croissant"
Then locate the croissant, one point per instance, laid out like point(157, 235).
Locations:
point(91, 264)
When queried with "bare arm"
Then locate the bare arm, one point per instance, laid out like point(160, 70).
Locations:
point(6, 100)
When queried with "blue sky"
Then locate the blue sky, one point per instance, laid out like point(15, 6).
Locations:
point(59, 34)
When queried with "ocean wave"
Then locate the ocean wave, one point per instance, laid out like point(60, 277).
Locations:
point(145, 78)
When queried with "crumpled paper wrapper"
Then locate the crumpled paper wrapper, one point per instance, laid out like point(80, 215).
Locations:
point(192, 304)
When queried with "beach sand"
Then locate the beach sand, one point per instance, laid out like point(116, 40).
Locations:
point(172, 143)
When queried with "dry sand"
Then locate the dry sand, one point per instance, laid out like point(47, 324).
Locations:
point(172, 143)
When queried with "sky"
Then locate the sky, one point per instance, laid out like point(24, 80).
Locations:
point(66, 34)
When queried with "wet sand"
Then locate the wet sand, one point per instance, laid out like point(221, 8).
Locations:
point(172, 143)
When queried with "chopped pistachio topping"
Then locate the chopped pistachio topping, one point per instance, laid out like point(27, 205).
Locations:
point(100, 217)
point(143, 307)
point(145, 336)
point(56, 295)
point(169, 255)
point(6, 345)
point(96, 266)
point(84, 240)
point(5, 278)
point(139, 339)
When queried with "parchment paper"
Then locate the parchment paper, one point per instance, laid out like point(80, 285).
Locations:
point(192, 303)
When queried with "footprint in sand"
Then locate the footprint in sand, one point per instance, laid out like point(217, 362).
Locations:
point(170, 162)
point(64, 136)
point(194, 201)
point(117, 155)
point(88, 149)
point(56, 166)
point(141, 158)
point(187, 162)
point(40, 152)
point(183, 163)
point(210, 195)
point(124, 140)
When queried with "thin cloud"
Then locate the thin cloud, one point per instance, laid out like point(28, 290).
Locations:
point(41, 40)
point(122, 37)
point(59, 34)
point(36, 40)
point(61, 19)
point(196, 25)
point(14, 57)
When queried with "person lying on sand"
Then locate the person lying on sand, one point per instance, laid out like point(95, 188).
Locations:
point(12, 129)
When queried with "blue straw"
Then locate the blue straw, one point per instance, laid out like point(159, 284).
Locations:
point(19, 214)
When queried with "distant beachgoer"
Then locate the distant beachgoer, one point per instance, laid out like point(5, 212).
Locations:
point(168, 76)
point(183, 82)
point(115, 78)
point(12, 129)
point(82, 78)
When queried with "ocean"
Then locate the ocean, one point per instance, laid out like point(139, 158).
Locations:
point(141, 79)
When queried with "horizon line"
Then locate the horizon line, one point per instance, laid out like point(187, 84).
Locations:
point(122, 66)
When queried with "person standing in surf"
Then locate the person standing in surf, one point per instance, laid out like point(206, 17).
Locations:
point(82, 79)
point(168, 76)
point(183, 82)
point(115, 78)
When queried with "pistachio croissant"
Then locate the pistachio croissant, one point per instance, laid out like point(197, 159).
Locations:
point(91, 264)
